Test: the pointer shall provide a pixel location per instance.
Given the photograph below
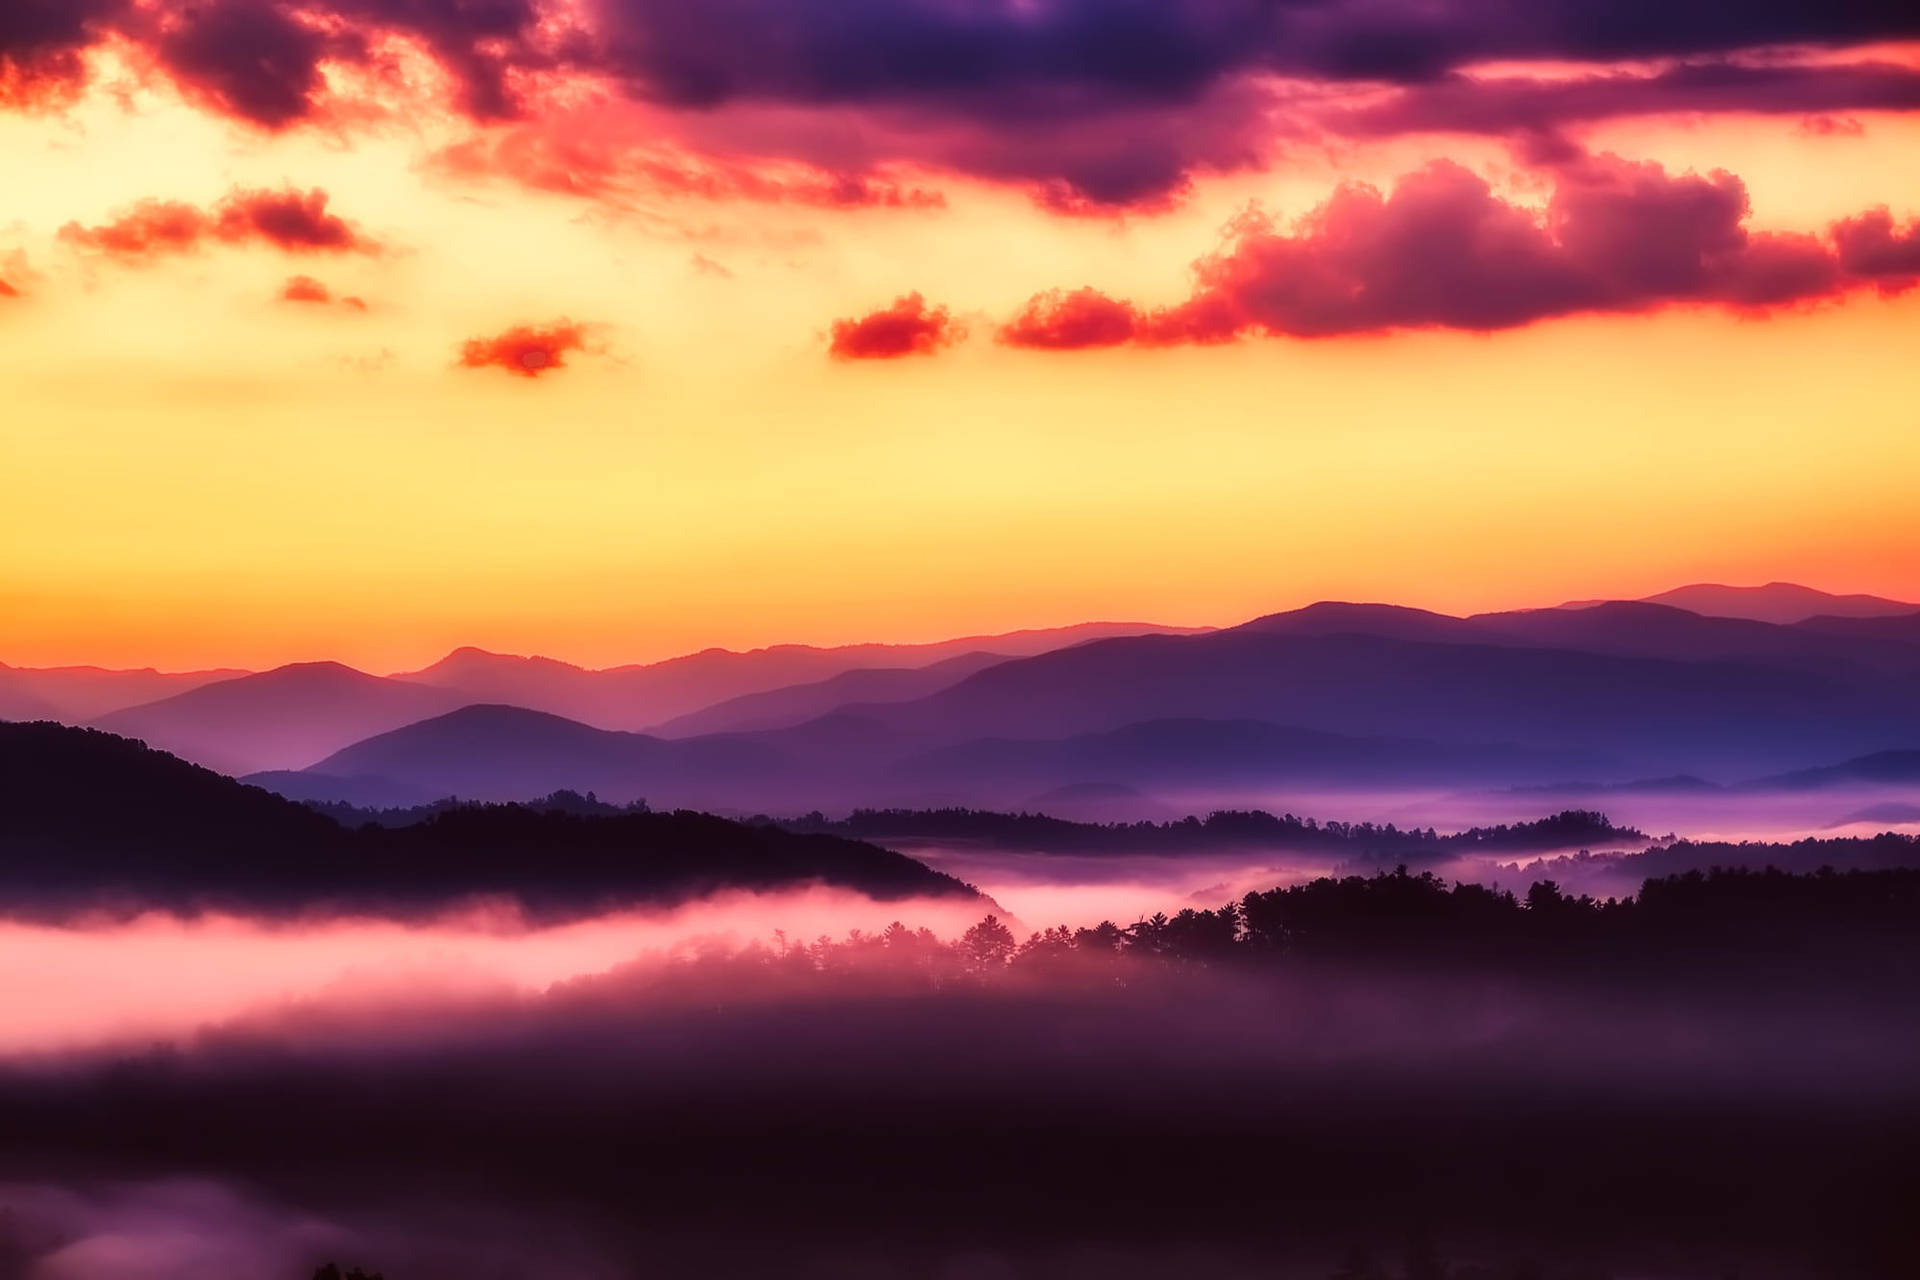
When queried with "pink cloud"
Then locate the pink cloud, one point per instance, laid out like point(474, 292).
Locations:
point(306, 289)
point(1441, 249)
point(909, 327)
point(289, 220)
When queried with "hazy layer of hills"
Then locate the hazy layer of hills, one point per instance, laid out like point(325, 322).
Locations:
point(1783, 602)
point(638, 696)
point(1358, 696)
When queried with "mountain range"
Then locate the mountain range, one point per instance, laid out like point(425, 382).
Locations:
point(1332, 695)
point(1778, 602)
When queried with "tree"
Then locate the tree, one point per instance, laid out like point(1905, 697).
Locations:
point(989, 944)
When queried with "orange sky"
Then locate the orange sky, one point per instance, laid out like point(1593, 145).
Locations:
point(194, 473)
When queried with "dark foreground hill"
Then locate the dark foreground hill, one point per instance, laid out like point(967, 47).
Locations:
point(90, 819)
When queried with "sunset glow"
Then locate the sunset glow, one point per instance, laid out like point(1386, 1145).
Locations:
point(464, 339)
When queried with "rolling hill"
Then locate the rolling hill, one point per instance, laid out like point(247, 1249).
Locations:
point(1778, 602)
point(796, 704)
point(286, 718)
point(91, 820)
point(79, 694)
point(641, 695)
point(510, 753)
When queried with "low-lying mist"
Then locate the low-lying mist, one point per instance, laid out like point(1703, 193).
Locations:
point(688, 1095)
point(161, 976)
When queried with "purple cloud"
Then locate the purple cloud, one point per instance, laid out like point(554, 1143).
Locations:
point(1092, 104)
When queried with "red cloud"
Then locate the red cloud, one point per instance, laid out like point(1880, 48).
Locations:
point(1441, 250)
point(907, 328)
point(295, 221)
point(1060, 321)
point(307, 289)
point(7, 290)
point(289, 220)
point(605, 154)
point(526, 351)
point(148, 229)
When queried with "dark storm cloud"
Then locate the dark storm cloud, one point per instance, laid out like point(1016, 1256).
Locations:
point(254, 60)
point(1514, 104)
point(1093, 103)
point(41, 42)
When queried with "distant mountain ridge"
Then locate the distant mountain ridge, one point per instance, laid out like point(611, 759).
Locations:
point(1783, 603)
point(82, 693)
point(281, 719)
point(291, 716)
point(1334, 695)
point(643, 695)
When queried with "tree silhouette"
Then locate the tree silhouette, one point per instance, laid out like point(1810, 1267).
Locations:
point(989, 944)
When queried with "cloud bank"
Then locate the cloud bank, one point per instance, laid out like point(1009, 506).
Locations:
point(1092, 104)
point(1441, 249)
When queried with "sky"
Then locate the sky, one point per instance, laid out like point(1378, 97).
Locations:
point(615, 329)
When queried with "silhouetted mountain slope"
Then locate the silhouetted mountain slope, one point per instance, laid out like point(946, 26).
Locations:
point(1891, 629)
point(360, 792)
point(286, 718)
point(79, 694)
point(1627, 628)
point(1782, 602)
point(75, 803)
point(89, 819)
point(1639, 629)
point(641, 695)
point(1339, 617)
point(1652, 715)
point(510, 753)
point(794, 704)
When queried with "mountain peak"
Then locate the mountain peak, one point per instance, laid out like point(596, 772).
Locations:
point(1778, 602)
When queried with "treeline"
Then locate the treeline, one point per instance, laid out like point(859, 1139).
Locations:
point(1786, 927)
point(1221, 830)
point(1886, 851)
point(563, 801)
